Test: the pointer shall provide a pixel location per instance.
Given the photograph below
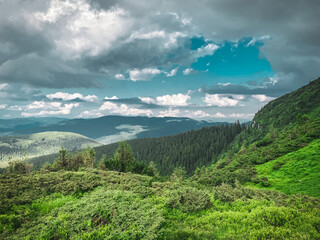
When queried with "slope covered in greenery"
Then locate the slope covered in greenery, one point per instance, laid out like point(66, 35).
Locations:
point(95, 204)
point(189, 150)
point(295, 172)
point(284, 110)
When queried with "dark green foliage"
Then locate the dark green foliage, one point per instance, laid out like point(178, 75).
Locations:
point(188, 150)
point(124, 161)
point(188, 199)
point(93, 204)
point(283, 111)
point(19, 167)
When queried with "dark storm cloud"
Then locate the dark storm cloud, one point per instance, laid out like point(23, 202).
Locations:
point(275, 89)
point(19, 92)
point(31, 52)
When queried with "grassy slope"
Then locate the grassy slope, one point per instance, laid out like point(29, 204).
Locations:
point(299, 171)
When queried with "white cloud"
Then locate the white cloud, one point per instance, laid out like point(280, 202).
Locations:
point(86, 30)
point(124, 110)
point(197, 114)
point(262, 98)
point(144, 74)
point(90, 114)
point(241, 115)
point(119, 76)
point(206, 50)
point(4, 85)
point(67, 96)
point(108, 106)
point(219, 115)
point(172, 73)
point(3, 106)
point(187, 71)
point(148, 35)
point(238, 96)
point(218, 100)
point(254, 40)
point(48, 108)
point(148, 100)
point(173, 100)
point(168, 100)
point(169, 113)
point(15, 108)
point(112, 98)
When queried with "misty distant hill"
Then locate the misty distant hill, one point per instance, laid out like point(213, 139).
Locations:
point(34, 145)
point(109, 129)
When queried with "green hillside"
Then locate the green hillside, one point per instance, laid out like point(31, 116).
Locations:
point(295, 172)
point(29, 146)
point(284, 110)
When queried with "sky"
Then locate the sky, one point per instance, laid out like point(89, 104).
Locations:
point(216, 60)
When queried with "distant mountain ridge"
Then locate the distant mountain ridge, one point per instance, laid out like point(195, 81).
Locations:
point(113, 128)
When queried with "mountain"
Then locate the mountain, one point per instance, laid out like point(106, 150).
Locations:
point(109, 129)
point(279, 150)
point(14, 125)
point(284, 110)
point(29, 146)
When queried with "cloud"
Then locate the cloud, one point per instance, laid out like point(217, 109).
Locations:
point(4, 85)
point(242, 115)
point(271, 86)
point(187, 71)
point(168, 100)
point(173, 72)
point(15, 108)
point(124, 109)
point(112, 98)
point(197, 114)
point(206, 50)
point(144, 74)
point(68, 97)
point(119, 76)
point(219, 115)
point(47, 108)
point(262, 98)
point(218, 100)
point(169, 113)
point(128, 132)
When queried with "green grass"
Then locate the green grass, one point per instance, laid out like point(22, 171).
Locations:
point(296, 172)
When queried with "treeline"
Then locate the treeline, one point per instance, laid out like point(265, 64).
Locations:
point(189, 150)
point(122, 161)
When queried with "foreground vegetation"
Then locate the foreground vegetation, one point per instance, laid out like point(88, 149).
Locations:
point(96, 204)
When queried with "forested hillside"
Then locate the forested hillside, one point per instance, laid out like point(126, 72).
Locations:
point(261, 143)
point(188, 150)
